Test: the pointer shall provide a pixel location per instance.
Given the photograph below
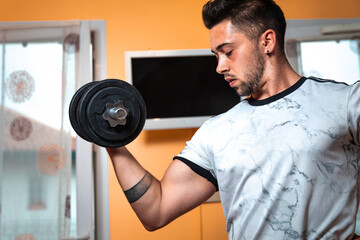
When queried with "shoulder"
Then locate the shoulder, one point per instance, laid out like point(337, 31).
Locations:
point(329, 87)
point(228, 116)
point(217, 126)
point(322, 82)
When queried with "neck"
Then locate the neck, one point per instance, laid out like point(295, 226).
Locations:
point(278, 76)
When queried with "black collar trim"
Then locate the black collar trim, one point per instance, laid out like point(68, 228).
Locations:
point(278, 96)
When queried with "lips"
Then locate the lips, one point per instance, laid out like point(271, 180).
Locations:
point(231, 81)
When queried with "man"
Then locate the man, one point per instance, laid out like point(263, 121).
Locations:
point(285, 159)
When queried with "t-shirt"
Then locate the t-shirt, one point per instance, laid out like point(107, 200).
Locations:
point(286, 167)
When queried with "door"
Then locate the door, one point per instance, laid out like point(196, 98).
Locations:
point(45, 170)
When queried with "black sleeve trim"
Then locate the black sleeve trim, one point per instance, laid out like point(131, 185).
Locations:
point(200, 170)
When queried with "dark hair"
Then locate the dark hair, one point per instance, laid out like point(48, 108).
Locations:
point(253, 17)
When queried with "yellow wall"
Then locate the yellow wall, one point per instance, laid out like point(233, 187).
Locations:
point(156, 25)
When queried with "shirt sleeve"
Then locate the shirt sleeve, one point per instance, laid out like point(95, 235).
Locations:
point(196, 156)
point(354, 113)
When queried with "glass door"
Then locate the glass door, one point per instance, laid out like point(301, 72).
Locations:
point(41, 66)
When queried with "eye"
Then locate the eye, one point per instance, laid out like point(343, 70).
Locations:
point(229, 53)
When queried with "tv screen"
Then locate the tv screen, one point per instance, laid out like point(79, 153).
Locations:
point(181, 88)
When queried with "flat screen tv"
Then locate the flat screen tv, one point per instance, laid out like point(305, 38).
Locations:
point(181, 88)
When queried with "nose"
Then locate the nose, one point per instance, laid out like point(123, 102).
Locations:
point(222, 67)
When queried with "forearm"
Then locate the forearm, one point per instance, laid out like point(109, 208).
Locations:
point(142, 190)
point(128, 170)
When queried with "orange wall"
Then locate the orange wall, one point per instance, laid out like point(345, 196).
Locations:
point(156, 25)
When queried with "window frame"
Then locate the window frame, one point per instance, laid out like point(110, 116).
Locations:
point(301, 30)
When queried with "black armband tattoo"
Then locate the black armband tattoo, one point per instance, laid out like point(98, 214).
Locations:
point(137, 191)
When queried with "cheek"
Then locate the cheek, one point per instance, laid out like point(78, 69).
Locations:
point(239, 65)
point(243, 60)
point(243, 57)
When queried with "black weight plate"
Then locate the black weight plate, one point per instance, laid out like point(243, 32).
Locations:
point(119, 135)
point(142, 107)
point(94, 101)
point(96, 107)
point(73, 110)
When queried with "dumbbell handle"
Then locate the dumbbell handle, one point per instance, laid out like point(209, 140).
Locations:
point(116, 113)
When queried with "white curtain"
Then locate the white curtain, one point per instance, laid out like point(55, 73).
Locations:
point(38, 74)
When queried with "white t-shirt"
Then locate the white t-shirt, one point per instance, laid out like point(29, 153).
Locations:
point(287, 166)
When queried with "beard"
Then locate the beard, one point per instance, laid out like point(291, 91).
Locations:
point(253, 76)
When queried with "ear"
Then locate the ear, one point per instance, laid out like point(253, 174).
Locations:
point(268, 41)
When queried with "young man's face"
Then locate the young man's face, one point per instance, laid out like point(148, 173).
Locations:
point(239, 58)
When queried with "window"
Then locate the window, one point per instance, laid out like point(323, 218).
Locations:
point(331, 59)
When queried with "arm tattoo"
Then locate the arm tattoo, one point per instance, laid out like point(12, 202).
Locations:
point(137, 191)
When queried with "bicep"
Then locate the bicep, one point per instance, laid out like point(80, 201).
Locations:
point(183, 189)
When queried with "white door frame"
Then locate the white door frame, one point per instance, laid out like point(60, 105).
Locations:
point(92, 161)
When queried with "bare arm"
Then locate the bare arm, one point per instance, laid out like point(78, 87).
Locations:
point(180, 190)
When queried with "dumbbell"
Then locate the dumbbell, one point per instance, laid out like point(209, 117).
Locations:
point(110, 113)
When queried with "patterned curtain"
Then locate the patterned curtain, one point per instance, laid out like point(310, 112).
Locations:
point(38, 75)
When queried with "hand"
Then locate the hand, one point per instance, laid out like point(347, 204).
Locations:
point(355, 237)
point(118, 150)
